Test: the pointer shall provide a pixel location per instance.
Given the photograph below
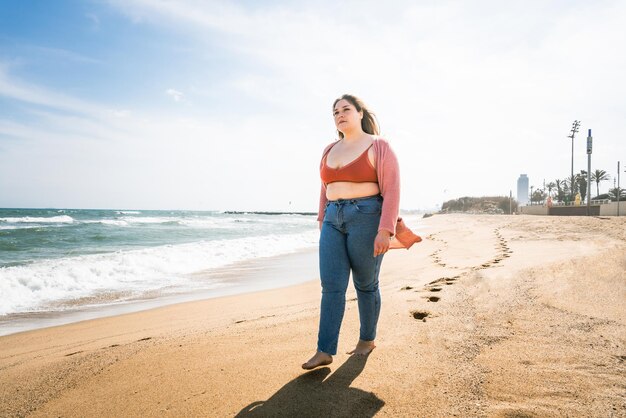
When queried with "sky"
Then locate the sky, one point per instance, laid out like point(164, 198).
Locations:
point(227, 105)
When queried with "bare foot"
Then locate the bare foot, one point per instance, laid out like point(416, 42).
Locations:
point(319, 359)
point(363, 348)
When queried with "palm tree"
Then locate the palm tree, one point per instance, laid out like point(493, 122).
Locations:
point(581, 181)
point(538, 196)
point(573, 187)
point(560, 192)
point(569, 187)
point(598, 176)
point(617, 191)
point(550, 186)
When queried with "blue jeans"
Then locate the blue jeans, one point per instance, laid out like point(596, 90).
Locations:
point(347, 244)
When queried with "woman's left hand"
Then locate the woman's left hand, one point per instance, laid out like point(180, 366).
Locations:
point(381, 242)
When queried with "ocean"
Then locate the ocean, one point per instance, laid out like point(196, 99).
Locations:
point(60, 260)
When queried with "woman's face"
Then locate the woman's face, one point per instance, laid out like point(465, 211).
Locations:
point(346, 116)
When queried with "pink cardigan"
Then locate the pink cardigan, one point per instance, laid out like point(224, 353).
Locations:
point(388, 173)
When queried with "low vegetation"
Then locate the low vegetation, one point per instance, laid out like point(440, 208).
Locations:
point(485, 204)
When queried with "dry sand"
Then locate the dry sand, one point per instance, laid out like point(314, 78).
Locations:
point(526, 316)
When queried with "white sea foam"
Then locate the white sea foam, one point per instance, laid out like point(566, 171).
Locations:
point(128, 212)
point(206, 223)
point(33, 219)
point(37, 286)
point(114, 222)
point(149, 219)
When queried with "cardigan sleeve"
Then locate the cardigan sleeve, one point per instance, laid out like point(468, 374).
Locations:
point(388, 172)
point(322, 205)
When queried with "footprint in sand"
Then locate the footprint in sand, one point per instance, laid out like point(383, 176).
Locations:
point(434, 287)
point(437, 259)
point(437, 281)
point(420, 315)
point(502, 247)
point(435, 255)
point(442, 280)
point(446, 280)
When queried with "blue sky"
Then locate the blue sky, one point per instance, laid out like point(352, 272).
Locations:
point(226, 105)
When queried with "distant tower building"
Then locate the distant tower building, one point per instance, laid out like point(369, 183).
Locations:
point(522, 189)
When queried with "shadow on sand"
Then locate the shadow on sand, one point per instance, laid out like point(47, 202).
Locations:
point(309, 395)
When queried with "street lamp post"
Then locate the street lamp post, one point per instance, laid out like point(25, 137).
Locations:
point(531, 195)
point(618, 190)
point(575, 126)
point(589, 151)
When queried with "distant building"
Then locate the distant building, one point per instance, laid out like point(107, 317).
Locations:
point(522, 190)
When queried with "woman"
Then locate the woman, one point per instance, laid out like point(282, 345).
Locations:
point(358, 217)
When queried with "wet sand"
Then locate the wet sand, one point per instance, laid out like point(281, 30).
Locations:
point(489, 316)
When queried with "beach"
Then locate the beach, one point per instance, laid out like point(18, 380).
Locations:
point(491, 315)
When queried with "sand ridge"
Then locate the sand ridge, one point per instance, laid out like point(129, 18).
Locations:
point(489, 316)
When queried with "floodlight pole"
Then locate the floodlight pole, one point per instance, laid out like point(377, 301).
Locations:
point(619, 191)
point(575, 126)
point(589, 147)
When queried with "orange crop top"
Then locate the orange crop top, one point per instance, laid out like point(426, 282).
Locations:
point(359, 170)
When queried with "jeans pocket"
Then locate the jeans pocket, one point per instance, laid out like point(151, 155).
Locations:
point(370, 207)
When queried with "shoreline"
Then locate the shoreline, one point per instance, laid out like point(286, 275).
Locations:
point(238, 278)
point(488, 316)
point(243, 277)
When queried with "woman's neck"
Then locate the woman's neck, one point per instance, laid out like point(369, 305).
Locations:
point(353, 136)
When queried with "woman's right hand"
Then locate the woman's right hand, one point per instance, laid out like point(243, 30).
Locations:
point(320, 222)
point(381, 242)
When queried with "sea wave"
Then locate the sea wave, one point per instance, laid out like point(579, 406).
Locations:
point(150, 219)
point(41, 220)
point(113, 222)
point(44, 284)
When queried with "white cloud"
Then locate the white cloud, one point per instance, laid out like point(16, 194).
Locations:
point(464, 91)
point(15, 89)
point(73, 152)
point(94, 19)
point(60, 54)
point(469, 95)
point(175, 94)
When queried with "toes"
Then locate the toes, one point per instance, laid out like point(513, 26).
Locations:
point(313, 363)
